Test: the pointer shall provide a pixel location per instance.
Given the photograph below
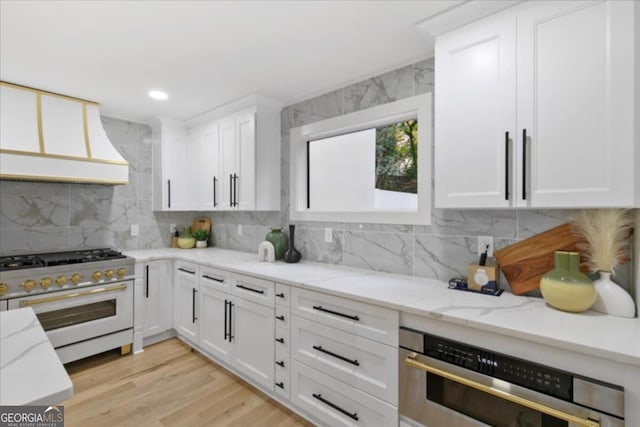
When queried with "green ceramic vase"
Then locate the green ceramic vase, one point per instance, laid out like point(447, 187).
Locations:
point(565, 287)
point(279, 241)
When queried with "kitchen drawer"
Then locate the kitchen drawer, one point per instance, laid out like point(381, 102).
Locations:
point(282, 383)
point(215, 278)
point(283, 317)
point(253, 289)
point(187, 268)
point(283, 295)
point(366, 320)
point(282, 339)
point(335, 403)
point(360, 362)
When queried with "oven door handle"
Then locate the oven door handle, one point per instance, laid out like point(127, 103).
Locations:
point(28, 303)
point(414, 363)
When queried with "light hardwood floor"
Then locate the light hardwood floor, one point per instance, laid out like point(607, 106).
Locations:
point(167, 385)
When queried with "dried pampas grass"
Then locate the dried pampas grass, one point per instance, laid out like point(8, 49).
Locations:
point(602, 235)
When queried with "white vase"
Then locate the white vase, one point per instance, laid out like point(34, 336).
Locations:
point(611, 298)
point(201, 244)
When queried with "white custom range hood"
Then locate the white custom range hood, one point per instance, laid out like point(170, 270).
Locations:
point(50, 137)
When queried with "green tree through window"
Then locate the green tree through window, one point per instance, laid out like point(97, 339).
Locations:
point(397, 157)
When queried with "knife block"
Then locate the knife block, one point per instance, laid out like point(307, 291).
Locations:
point(479, 276)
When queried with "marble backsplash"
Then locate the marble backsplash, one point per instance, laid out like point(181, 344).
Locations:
point(50, 216)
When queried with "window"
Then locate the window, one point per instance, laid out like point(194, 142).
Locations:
point(369, 166)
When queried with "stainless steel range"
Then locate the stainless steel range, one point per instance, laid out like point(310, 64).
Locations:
point(83, 299)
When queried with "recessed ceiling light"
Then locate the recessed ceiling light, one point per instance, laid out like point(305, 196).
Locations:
point(158, 94)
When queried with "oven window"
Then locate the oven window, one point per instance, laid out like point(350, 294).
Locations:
point(84, 313)
point(485, 407)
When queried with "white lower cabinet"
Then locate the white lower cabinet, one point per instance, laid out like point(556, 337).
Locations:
point(334, 403)
point(252, 339)
point(360, 362)
point(213, 323)
point(186, 301)
point(156, 298)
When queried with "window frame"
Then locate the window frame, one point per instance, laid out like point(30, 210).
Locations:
point(419, 106)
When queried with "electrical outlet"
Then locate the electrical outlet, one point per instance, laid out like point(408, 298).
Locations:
point(483, 241)
point(135, 230)
point(172, 228)
point(239, 229)
point(328, 235)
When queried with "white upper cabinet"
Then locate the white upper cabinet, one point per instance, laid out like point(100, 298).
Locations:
point(170, 190)
point(475, 114)
point(204, 160)
point(226, 159)
point(535, 108)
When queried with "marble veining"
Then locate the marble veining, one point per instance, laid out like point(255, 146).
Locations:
point(30, 369)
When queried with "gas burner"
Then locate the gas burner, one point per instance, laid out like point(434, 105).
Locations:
point(19, 262)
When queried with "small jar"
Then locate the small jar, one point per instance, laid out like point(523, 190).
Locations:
point(279, 241)
point(186, 239)
point(565, 287)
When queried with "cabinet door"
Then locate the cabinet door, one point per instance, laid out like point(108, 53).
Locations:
point(175, 166)
point(214, 322)
point(157, 298)
point(228, 160)
point(575, 74)
point(246, 162)
point(475, 114)
point(186, 300)
point(204, 155)
point(253, 337)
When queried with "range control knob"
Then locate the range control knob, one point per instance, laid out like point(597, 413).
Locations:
point(121, 272)
point(109, 274)
point(28, 285)
point(46, 282)
point(61, 280)
point(97, 275)
point(76, 278)
point(3, 288)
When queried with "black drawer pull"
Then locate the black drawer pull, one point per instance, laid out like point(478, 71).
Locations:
point(280, 318)
point(280, 363)
point(353, 416)
point(213, 278)
point(280, 295)
point(337, 356)
point(326, 310)
point(186, 271)
point(246, 288)
point(280, 340)
point(280, 384)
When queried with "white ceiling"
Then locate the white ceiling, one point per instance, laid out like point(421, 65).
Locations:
point(205, 53)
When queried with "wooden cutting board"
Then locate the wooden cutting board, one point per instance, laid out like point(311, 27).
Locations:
point(202, 223)
point(524, 263)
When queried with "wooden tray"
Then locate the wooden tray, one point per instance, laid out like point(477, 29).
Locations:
point(524, 263)
point(201, 223)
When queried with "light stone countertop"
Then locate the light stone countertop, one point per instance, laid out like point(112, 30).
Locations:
point(30, 371)
point(528, 318)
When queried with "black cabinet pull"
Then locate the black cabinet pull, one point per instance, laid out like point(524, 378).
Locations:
point(246, 288)
point(337, 356)
point(146, 292)
point(231, 337)
point(213, 278)
point(280, 340)
point(226, 334)
point(235, 190)
point(280, 363)
point(169, 193)
point(193, 305)
point(280, 318)
point(326, 310)
point(506, 165)
point(524, 164)
point(353, 416)
point(230, 190)
point(280, 384)
point(215, 199)
point(186, 271)
point(280, 295)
